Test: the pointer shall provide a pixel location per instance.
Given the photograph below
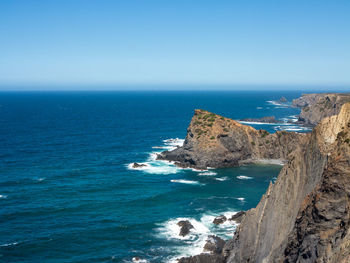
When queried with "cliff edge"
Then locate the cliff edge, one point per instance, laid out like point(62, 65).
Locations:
point(315, 107)
point(215, 141)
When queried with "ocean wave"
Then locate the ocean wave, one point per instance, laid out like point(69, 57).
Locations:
point(139, 260)
point(292, 128)
point(182, 181)
point(3, 196)
point(261, 123)
point(278, 104)
point(225, 178)
point(9, 244)
point(207, 173)
point(242, 199)
point(243, 177)
point(154, 166)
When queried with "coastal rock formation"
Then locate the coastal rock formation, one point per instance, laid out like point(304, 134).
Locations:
point(138, 165)
point(315, 107)
point(270, 119)
point(185, 227)
point(219, 220)
point(237, 217)
point(216, 141)
point(305, 215)
point(214, 245)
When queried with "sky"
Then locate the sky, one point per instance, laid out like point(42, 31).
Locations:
point(125, 43)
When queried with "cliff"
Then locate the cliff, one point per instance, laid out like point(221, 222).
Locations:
point(315, 107)
point(216, 141)
point(305, 215)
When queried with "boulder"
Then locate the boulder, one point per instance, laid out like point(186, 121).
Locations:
point(185, 227)
point(219, 220)
point(237, 217)
point(138, 165)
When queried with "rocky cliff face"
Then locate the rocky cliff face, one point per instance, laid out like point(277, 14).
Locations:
point(315, 107)
point(305, 215)
point(216, 141)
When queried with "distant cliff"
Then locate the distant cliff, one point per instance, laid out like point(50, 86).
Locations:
point(315, 107)
point(305, 215)
point(216, 141)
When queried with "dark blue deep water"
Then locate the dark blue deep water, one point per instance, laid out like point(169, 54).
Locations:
point(68, 195)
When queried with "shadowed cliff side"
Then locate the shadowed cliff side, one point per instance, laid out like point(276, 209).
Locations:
point(304, 216)
point(216, 141)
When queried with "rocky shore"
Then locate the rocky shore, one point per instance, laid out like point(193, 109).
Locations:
point(305, 215)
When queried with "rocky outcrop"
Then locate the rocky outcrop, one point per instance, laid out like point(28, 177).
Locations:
point(219, 220)
point(315, 107)
point(185, 227)
point(138, 165)
point(305, 215)
point(216, 141)
point(270, 119)
point(237, 217)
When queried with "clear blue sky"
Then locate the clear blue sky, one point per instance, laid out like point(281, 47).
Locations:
point(174, 42)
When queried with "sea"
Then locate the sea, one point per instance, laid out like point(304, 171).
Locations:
point(68, 192)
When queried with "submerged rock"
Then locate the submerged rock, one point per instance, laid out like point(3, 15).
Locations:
point(185, 227)
point(219, 220)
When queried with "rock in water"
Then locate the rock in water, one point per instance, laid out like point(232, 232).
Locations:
point(238, 217)
point(282, 99)
point(138, 165)
point(185, 227)
point(219, 220)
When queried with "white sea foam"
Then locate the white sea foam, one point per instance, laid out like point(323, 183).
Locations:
point(3, 196)
point(193, 243)
point(261, 123)
point(139, 260)
point(182, 181)
point(278, 104)
point(225, 178)
point(39, 179)
point(9, 244)
point(240, 199)
point(207, 173)
point(154, 166)
point(270, 161)
point(243, 177)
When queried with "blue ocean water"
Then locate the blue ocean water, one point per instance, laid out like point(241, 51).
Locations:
point(67, 193)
